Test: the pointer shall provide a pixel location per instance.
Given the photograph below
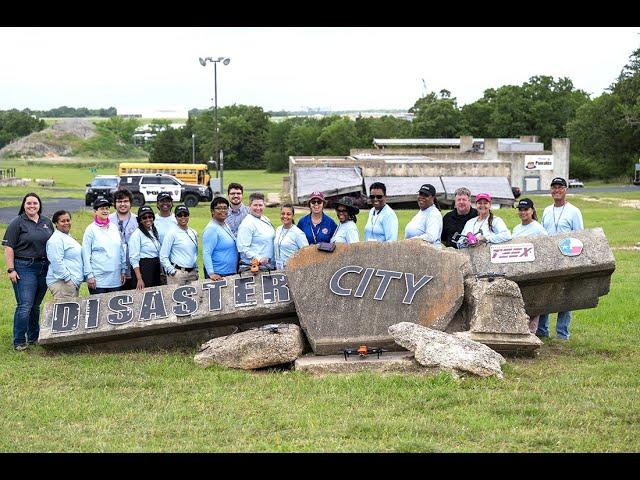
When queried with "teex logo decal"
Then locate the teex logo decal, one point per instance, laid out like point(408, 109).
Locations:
point(514, 253)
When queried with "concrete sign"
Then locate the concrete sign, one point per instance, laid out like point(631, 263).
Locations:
point(132, 313)
point(351, 296)
point(555, 282)
point(512, 253)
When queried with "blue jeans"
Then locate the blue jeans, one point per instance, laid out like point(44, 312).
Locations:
point(562, 325)
point(29, 292)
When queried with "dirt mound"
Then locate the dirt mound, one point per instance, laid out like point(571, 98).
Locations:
point(50, 141)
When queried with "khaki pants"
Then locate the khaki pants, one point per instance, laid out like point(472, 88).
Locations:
point(182, 278)
point(63, 290)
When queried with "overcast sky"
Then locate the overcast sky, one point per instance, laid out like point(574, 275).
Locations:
point(291, 68)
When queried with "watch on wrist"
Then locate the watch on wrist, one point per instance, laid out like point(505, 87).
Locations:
point(9, 270)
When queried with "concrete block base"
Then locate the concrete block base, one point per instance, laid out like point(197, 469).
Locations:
point(389, 362)
point(508, 344)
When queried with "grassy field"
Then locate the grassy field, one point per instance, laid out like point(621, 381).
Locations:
point(577, 396)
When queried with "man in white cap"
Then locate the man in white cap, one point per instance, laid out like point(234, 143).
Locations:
point(557, 218)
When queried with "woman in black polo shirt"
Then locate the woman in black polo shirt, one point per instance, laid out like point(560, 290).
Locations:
point(25, 254)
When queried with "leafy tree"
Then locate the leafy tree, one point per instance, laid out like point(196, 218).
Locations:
point(303, 139)
point(123, 128)
point(171, 146)
point(542, 106)
point(276, 157)
point(605, 133)
point(338, 137)
point(436, 115)
point(15, 124)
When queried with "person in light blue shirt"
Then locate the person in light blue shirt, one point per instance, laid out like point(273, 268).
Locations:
point(219, 250)
point(179, 251)
point(103, 254)
point(347, 231)
point(486, 226)
point(289, 238)
point(144, 250)
point(65, 259)
point(427, 223)
point(255, 236)
point(529, 227)
point(165, 220)
point(558, 218)
point(382, 224)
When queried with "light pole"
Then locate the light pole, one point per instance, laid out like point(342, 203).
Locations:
point(203, 62)
point(193, 148)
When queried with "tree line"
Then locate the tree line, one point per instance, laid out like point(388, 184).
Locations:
point(604, 131)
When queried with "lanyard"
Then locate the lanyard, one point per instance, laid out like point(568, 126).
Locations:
point(556, 223)
point(281, 239)
point(195, 242)
point(336, 232)
point(226, 228)
point(481, 223)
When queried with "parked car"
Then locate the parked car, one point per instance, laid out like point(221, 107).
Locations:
point(575, 183)
point(145, 188)
point(101, 185)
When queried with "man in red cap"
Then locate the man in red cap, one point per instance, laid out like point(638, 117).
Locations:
point(317, 226)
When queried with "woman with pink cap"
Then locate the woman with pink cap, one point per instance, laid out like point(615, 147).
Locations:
point(486, 227)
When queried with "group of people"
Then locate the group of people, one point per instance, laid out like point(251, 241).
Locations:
point(121, 250)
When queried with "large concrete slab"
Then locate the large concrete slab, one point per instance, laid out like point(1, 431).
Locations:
point(154, 315)
point(351, 296)
point(553, 282)
point(389, 362)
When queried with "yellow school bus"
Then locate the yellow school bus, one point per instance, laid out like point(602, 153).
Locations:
point(188, 173)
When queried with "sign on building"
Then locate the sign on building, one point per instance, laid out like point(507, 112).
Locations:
point(538, 162)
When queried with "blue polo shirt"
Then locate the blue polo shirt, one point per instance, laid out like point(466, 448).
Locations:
point(317, 233)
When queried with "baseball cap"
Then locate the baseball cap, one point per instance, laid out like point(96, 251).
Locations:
point(559, 181)
point(145, 210)
point(428, 189)
point(525, 203)
point(319, 195)
point(163, 196)
point(181, 209)
point(101, 202)
point(485, 196)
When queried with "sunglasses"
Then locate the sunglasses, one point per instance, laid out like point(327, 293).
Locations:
point(316, 202)
point(341, 210)
point(376, 197)
point(146, 217)
point(182, 215)
point(221, 209)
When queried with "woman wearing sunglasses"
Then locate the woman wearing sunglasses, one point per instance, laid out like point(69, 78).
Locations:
point(144, 250)
point(179, 251)
point(347, 232)
point(317, 226)
point(382, 224)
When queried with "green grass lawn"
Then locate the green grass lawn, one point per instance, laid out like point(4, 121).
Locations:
point(578, 396)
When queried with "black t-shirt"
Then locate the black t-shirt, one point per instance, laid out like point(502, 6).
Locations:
point(453, 222)
point(28, 238)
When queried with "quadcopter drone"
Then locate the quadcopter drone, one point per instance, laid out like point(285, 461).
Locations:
point(465, 241)
point(363, 351)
